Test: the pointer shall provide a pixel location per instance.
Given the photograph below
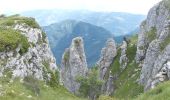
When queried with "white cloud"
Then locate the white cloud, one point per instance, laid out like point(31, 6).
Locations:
point(132, 6)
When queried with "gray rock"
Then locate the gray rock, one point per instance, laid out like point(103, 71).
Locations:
point(31, 62)
point(107, 55)
point(110, 85)
point(123, 57)
point(157, 17)
point(155, 68)
point(151, 55)
point(73, 64)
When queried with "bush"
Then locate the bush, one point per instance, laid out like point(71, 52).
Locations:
point(32, 84)
point(10, 40)
point(53, 80)
point(90, 86)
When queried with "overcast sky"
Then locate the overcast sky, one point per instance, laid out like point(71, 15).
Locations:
point(131, 6)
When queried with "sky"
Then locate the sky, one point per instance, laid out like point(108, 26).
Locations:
point(130, 6)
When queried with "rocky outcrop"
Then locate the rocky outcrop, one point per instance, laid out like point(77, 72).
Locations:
point(107, 55)
point(153, 48)
point(123, 58)
point(73, 65)
point(34, 61)
point(157, 17)
point(109, 87)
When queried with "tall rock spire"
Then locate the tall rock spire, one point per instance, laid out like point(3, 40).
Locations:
point(73, 64)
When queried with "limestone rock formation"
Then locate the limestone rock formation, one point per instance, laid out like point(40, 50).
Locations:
point(73, 64)
point(32, 62)
point(157, 18)
point(107, 55)
point(123, 58)
point(109, 85)
point(153, 48)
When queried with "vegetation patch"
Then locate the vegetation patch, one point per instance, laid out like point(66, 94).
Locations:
point(126, 83)
point(127, 87)
point(90, 86)
point(165, 42)
point(161, 92)
point(32, 84)
point(15, 19)
point(115, 67)
point(10, 39)
point(18, 91)
point(167, 4)
point(151, 35)
point(53, 80)
point(66, 56)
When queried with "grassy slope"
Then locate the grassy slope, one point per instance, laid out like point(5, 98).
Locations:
point(126, 84)
point(18, 91)
point(161, 92)
point(127, 87)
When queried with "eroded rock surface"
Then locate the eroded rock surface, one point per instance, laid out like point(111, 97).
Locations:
point(73, 65)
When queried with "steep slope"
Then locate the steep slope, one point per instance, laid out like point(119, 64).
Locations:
point(161, 92)
point(61, 34)
point(118, 23)
point(24, 48)
point(27, 65)
point(154, 46)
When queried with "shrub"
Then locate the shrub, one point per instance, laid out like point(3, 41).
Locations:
point(32, 84)
point(10, 40)
point(90, 86)
point(54, 75)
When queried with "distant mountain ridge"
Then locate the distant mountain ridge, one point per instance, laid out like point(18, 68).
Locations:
point(118, 23)
point(61, 34)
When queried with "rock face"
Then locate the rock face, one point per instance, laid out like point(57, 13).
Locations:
point(34, 60)
point(108, 87)
point(123, 58)
point(153, 48)
point(107, 55)
point(73, 64)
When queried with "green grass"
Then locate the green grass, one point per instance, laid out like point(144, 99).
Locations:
point(10, 40)
point(18, 91)
point(66, 56)
point(161, 92)
point(151, 35)
point(115, 67)
point(12, 20)
point(126, 85)
point(165, 42)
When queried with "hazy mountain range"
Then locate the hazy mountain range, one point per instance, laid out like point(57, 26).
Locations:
point(61, 34)
point(118, 23)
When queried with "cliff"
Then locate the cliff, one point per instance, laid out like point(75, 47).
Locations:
point(153, 46)
point(24, 48)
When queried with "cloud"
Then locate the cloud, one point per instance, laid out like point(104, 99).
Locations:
point(132, 6)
